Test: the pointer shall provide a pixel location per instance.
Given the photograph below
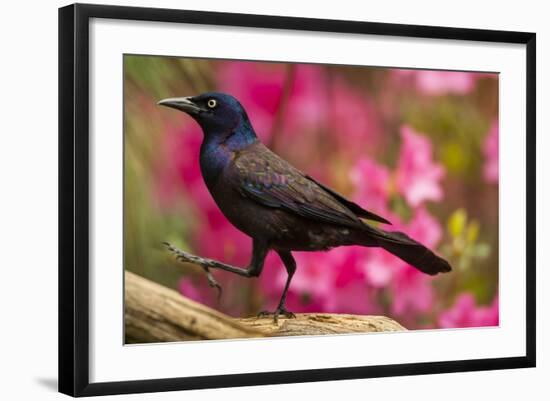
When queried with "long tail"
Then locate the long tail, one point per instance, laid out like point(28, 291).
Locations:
point(410, 251)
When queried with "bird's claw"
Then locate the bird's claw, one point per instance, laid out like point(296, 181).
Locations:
point(183, 257)
point(212, 282)
point(281, 310)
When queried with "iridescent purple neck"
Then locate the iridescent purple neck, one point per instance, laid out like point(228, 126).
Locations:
point(217, 149)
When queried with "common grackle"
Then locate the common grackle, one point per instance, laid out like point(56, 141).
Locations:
point(277, 205)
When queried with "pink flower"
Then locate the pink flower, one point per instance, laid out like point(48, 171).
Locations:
point(439, 82)
point(412, 290)
point(380, 267)
point(372, 183)
point(315, 105)
point(352, 118)
point(312, 284)
point(316, 275)
point(192, 289)
point(431, 82)
point(490, 150)
point(307, 105)
point(356, 297)
point(418, 175)
point(329, 282)
point(465, 313)
point(178, 166)
point(260, 87)
point(424, 228)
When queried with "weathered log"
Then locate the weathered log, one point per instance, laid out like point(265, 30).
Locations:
point(154, 313)
point(308, 324)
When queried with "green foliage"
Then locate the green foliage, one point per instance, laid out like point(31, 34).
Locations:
point(465, 247)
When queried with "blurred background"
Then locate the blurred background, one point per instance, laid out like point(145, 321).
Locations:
point(418, 147)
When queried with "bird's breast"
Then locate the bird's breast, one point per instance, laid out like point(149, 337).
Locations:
point(215, 162)
point(214, 159)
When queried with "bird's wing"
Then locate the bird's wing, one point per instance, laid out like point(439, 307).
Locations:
point(267, 179)
point(354, 207)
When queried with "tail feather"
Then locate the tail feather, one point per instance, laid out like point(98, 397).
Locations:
point(412, 252)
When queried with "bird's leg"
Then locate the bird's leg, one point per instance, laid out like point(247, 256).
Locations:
point(254, 268)
point(290, 265)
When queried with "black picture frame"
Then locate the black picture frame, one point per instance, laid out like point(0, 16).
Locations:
point(74, 194)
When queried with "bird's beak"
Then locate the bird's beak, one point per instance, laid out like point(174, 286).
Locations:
point(185, 104)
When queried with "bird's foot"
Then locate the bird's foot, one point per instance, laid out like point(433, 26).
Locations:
point(182, 256)
point(281, 310)
point(212, 282)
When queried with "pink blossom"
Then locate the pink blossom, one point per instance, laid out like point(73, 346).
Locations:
point(257, 86)
point(418, 175)
point(260, 88)
point(315, 278)
point(329, 282)
point(352, 118)
point(424, 228)
point(412, 290)
point(316, 275)
point(307, 105)
point(372, 184)
point(431, 82)
point(178, 166)
point(490, 150)
point(356, 297)
point(380, 267)
point(439, 82)
point(312, 284)
point(192, 290)
point(465, 313)
point(217, 238)
point(314, 104)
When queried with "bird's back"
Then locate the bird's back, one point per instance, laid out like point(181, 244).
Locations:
point(273, 182)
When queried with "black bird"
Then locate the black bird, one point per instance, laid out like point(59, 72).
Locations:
point(277, 205)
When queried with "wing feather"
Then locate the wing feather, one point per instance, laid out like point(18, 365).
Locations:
point(354, 207)
point(273, 182)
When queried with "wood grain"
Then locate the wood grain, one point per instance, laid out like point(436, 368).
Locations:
point(154, 313)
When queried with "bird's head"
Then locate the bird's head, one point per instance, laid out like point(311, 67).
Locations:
point(217, 113)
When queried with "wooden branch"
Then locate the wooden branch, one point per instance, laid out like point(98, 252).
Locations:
point(308, 324)
point(154, 313)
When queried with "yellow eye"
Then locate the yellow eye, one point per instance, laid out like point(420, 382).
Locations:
point(212, 103)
